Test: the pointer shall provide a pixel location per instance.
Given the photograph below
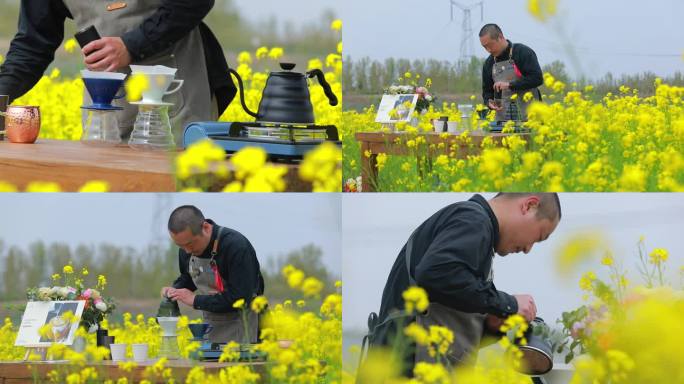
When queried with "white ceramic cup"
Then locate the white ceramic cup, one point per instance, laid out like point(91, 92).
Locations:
point(158, 86)
point(118, 352)
point(438, 125)
point(140, 352)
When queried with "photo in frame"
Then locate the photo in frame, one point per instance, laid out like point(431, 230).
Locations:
point(403, 104)
point(54, 313)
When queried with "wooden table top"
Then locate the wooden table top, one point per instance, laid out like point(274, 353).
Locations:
point(71, 164)
point(27, 371)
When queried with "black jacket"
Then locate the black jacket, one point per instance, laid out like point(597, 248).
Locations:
point(238, 266)
point(41, 31)
point(452, 254)
point(526, 61)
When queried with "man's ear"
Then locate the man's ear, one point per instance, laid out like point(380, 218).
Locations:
point(530, 203)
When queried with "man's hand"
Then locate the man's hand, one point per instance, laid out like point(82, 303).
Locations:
point(163, 291)
point(501, 86)
point(493, 323)
point(526, 306)
point(493, 106)
point(106, 54)
point(183, 295)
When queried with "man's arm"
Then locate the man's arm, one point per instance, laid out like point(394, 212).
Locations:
point(448, 270)
point(487, 82)
point(238, 273)
point(528, 65)
point(171, 22)
point(40, 32)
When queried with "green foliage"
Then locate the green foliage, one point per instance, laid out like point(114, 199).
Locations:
point(307, 259)
point(456, 81)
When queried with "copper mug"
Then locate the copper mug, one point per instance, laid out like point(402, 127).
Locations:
point(22, 123)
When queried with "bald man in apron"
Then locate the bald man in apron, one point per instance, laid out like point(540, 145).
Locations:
point(511, 69)
point(149, 32)
point(218, 268)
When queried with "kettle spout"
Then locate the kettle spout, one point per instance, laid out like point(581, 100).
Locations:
point(242, 92)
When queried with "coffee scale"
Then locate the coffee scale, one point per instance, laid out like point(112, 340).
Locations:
point(209, 351)
point(285, 126)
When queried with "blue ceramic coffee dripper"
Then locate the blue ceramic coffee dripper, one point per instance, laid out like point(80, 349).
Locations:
point(199, 330)
point(103, 88)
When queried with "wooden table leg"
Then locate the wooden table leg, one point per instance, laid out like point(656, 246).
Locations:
point(369, 169)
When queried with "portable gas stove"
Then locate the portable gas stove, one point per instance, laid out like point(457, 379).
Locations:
point(285, 142)
point(209, 351)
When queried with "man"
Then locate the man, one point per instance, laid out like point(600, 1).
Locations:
point(510, 69)
point(165, 32)
point(450, 256)
point(218, 266)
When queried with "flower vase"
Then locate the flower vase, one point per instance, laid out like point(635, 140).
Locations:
point(415, 120)
point(79, 344)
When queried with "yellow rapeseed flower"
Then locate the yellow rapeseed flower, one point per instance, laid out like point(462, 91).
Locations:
point(135, 85)
point(239, 303)
point(261, 52)
point(259, 304)
point(415, 298)
point(43, 186)
point(276, 53)
point(542, 10)
point(336, 25)
point(70, 45)
point(98, 186)
point(658, 256)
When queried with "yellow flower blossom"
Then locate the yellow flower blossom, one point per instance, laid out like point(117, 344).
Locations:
point(70, 45)
point(239, 303)
point(415, 299)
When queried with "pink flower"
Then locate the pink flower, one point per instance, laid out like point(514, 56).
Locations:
point(422, 91)
point(87, 293)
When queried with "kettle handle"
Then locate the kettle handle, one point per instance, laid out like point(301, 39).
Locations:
point(242, 92)
point(326, 87)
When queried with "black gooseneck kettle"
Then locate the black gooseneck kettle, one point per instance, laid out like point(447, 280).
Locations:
point(286, 98)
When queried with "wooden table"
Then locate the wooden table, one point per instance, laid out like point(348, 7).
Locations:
point(71, 164)
point(16, 372)
point(381, 142)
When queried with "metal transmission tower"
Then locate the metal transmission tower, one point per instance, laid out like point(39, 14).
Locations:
point(466, 49)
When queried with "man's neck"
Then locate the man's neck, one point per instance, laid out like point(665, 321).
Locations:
point(498, 210)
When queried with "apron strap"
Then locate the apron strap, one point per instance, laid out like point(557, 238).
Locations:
point(214, 251)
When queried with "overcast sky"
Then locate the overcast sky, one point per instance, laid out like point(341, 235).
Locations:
point(306, 11)
point(608, 35)
point(275, 224)
point(375, 227)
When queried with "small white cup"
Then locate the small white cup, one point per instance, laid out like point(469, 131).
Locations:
point(158, 85)
point(140, 352)
point(118, 352)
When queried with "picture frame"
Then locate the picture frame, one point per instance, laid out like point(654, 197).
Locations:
point(398, 102)
point(40, 313)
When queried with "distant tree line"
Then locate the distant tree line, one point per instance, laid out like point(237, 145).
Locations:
point(370, 77)
point(133, 273)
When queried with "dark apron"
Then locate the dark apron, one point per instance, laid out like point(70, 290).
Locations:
point(512, 109)
point(193, 102)
point(227, 326)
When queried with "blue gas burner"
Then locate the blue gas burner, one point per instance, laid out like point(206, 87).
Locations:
point(282, 142)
